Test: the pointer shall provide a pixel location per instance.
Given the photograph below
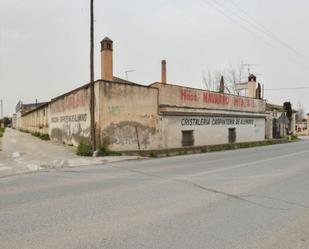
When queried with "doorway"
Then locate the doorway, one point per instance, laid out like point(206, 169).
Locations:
point(232, 135)
point(187, 138)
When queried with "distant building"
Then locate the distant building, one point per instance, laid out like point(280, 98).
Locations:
point(277, 123)
point(14, 120)
point(302, 127)
point(22, 109)
point(5, 122)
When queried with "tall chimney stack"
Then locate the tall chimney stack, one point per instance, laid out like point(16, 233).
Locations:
point(252, 86)
point(308, 124)
point(163, 72)
point(107, 59)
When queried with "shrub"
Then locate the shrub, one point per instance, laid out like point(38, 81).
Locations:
point(35, 134)
point(204, 150)
point(45, 137)
point(84, 150)
point(153, 155)
point(1, 134)
point(294, 137)
point(103, 151)
point(25, 131)
point(2, 130)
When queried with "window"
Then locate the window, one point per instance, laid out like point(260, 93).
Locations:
point(187, 138)
point(232, 135)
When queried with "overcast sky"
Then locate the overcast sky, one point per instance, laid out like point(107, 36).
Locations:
point(44, 44)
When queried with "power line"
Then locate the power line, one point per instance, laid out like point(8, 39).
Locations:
point(267, 31)
point(236, 22)
point(288, 88)
point(224, 11)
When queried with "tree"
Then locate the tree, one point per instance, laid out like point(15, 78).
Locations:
point(211, 80)
point(300, 112)
point(232, 76)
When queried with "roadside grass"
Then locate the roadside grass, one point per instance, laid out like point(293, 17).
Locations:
point(86, 151)
point(40, 135)
point(106, 152)
point(207, 149)
point(2, 130)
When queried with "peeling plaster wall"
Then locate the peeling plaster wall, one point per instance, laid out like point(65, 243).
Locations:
point(129, 117)
point(36, 121)
point(70, 118)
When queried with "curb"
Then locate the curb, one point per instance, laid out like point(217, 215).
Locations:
point(204, 149)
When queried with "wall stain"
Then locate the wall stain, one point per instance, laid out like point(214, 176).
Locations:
point(71, 135)
point(124, 133)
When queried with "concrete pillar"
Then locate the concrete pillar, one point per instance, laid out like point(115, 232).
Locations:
point(252, 86)
point(269, 127)
point(163, 72)
point(107, 59)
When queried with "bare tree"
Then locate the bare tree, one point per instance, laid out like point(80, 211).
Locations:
point(232, 76)
point(211, 80)
point(300, 111)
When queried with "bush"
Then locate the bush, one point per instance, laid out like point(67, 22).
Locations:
point(25, 131)
point(1, 134)
point(2, 130)
point(294, 137)
point(35, 134)
point(153, 155)
point(45, 137)
point(84, 150)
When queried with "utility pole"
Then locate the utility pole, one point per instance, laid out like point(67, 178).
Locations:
point(92, 95)
point(1, 103)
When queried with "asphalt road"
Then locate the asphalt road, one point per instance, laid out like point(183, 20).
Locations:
point(252, 198)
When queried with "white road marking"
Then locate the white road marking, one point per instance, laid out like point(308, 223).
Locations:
point(252, 163)
point(15, 154)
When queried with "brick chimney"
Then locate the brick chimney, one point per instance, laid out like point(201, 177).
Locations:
point(252, 86)
point(107, 59)
point(163, 72)
point(308, 123)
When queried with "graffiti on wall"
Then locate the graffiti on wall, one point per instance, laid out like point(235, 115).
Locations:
point(70, 118)
point(114, 110)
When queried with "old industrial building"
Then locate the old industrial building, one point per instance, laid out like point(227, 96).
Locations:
point(130, 116)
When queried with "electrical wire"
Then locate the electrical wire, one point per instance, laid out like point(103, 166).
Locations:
point(231, 16)
point(267, 31)
point(288, 88)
